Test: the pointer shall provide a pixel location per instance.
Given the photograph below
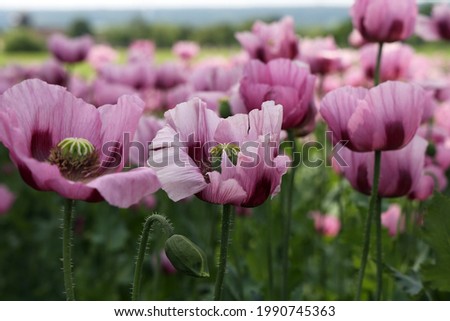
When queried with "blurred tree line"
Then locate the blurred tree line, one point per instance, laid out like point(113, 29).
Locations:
point(25, 38)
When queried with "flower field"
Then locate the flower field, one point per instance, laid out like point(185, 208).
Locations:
point(283, 168)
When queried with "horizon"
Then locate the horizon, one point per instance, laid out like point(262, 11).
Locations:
point(112, 5)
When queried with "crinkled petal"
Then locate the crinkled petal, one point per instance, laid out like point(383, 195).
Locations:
point(126, 188)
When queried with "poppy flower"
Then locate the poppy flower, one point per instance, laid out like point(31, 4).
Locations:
point(384, 20)
point(60, 143)
point(400, 173)
point(70, 50)
point(222, 161)
point(270, 41)
point(283, 81)
point(385, 117)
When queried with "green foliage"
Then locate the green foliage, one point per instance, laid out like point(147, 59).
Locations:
point(23, 40)
point(80, 27)
point(411, 284)
point(165, 35)
point(436, 232)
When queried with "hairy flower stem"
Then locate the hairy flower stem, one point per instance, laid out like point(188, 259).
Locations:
point(67, 249)
point(155, 218)
point(224, 242)
point(372, 209)
point(375, 206)
point(288, 219)
point(379, 250)
point(378, 199)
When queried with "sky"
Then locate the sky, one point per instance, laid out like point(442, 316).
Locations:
point(139, 4)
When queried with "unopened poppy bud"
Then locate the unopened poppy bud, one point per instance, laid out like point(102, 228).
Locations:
point(186, 256)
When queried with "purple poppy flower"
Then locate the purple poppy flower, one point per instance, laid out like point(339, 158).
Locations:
point(52, 72)
point(384, 20)
point(223, 161)
point(6, 199)
point(170, 75)
point(282, 81)
point(325, 224)
point(104, 92)
point(138, 75)
point(393, 220)
point(186, 50)
point(60, 143)
point(322, 55)
point(141, 50)
point(401, 170)
point(396, 61)
point(215, 77)
point(70, 49)
point(146, 131)
point(385, 117)
point(437, 26)
point(101, 55)
point(270, 41)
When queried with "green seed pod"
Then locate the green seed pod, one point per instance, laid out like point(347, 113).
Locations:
point(186, 256)
point(224, 108)
point(76, 147)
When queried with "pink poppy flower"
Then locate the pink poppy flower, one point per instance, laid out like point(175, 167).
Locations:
point(215, 78)
point(282, 81)
point(60, 143)
point(6, 199)
point(442, 156)
point(384, 20)
point(400, 173)
point(69, 49)
point(437, 26)
point(186, 50)
point(177, 95)
point(355, 39)
point(101, 55)
point(270, 41)
point(442, 117)
point(52, 72)
point(141, 50)
point(321, 54)
point(80, 88)
point(170, 75)
point(104, 92)
point(396, 61)
point(211, 98)
point(327, 225)
point(166, 265)
point(433, 178)
point(393, 220)
point(222, 161)
point(385, 117)
point(138, 75)
point(146, 131)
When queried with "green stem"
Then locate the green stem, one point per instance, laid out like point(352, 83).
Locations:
point(379, 250)
point(155, 218)
point(224, 242)
point(373, 201)
point(67, 250)
point(268, 214)
point(376, 79)
point(288, 219)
